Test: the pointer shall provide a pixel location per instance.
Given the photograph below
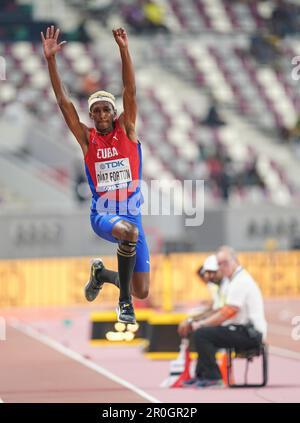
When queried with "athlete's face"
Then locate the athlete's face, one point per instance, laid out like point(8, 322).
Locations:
point(103, 113)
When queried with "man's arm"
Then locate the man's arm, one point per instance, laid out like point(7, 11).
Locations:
point(184, 327)
point(219, 317)
point(188, 324)
point(128, 118)
point(216, 319)
point(51, 47)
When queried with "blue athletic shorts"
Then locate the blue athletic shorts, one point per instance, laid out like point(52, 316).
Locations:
point(103, 225)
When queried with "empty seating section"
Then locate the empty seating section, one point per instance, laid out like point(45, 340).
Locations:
point(216, 15)
point(169, 124)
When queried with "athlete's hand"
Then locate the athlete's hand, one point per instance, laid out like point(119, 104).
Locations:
point(50, 44)
point(120, 37)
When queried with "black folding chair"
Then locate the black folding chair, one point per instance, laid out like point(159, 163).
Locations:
point(260, 351)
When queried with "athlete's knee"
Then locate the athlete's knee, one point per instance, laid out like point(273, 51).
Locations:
point(127, 244)
point(130, 232)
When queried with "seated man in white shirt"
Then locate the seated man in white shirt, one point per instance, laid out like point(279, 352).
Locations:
point(209, 273)
point(239, 324)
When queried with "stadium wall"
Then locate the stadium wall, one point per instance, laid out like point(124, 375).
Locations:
point(174, 283)
point(45, 232)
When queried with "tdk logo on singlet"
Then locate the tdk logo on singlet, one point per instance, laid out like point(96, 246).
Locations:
point(112, 164)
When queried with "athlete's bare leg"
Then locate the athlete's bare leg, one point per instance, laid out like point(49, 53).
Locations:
point(140, 284)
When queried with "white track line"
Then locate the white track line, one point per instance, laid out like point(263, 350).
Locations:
point(27, 330)
point(1, 401)
point(282, 352)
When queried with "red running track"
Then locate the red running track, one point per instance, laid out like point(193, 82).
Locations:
point(47, 360)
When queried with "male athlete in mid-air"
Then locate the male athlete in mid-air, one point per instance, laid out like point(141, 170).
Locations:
point(113, 162)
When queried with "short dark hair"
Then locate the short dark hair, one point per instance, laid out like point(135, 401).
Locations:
point(201, 271)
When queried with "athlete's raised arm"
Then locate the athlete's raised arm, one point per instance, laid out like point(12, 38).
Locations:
point(51, 47)
point(128, 117)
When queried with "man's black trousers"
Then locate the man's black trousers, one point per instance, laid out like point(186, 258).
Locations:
point(209, 340)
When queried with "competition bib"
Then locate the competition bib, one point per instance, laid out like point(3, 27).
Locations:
point(113, 174)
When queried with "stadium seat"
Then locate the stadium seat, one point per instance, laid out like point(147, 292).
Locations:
point(73, 50)
point(21, 49)
point(8, 92)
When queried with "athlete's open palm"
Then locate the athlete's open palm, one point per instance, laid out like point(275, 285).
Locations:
point(50, 44)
